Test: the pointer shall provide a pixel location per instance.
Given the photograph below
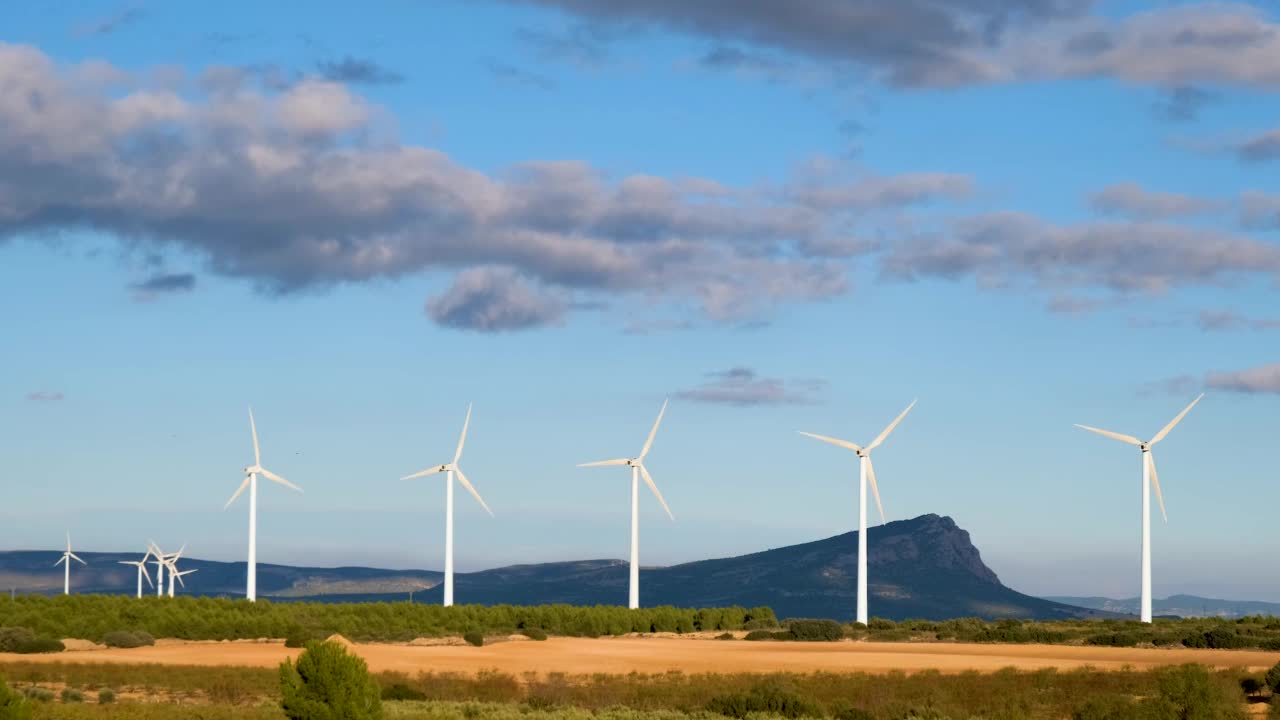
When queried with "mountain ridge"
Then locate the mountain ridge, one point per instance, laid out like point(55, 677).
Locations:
point(924, 567)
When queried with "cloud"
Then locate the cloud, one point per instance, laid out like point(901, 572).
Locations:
point(509, 73)
point(1002, 250)
point(113, 22)
point(582, 44)
point(876, 193)
point(921, 43)
point(301, 187)
point(1260, 148)
point(1181, 385)
point(1184, 103)
point(1214, 320)
point(358, 71)
point(495, 299)
point(1260, 210)
point(742, 386)
point(1132, 200)
point(45, 396)
point(936, 43)
point(167, 283)
point(1259, 380)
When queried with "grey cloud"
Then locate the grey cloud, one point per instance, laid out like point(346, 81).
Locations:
point(1260, 148)
point(167, 283)
point(45, 396)
point(583, 44)
point(1260, 210)
point(495, 299)
point(742, 386)
point(888, 192)
point(911, 42)
point(284, 188)
point(518, 76)
point(1132, 200)
point(1259, 380)
point(113, 22)
point(1011, 249)
point(1212, 320)
point(1184, 103)
point(358, 71)
point(1181, 385)
point(1073, 304)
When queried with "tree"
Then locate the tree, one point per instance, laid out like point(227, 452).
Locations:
point(12, 705)
point(1273, 678)
point(328, 683)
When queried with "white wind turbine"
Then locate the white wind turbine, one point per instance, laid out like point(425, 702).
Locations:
point(449, 469)
point(1149, 478)
point(866, 472)
point(67, 557)
point(251, 481)
point(160, 562)
point(173, 573)
point(638, 469)
point(142, 570)
point(171, 561)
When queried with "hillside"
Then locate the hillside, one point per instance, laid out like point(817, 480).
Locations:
point(1186, 606)
point(925, 567)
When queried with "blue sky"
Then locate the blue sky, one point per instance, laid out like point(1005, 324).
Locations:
point(1026, 214)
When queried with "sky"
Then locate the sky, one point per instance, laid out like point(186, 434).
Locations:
point(363, 218)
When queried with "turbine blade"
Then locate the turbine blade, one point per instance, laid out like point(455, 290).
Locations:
point(871, 475)
point(462, 440)
point(272, 476)
point(1155, 480)
point(462, 477)
point(648, 480)
point(145, 574)
point(842, 443)
point(881, 437)
point(243, 485)
point(77, 558)
point(653, 433)
point(60, 561)
point(1165, 430)
point(603, 463)
point(424, 473)
point(1123, 438)
point(257, 453)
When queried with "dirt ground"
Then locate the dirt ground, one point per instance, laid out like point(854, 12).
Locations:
point(660, 654)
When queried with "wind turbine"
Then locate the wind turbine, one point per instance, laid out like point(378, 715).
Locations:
point(449, 469)
point(160, 563)
point(67, 557)
point(251, 481)
point(866, 471)
point(1149, 478)
point(142, 570)
point(171, 560)
point(173, 573)
point(638, 469)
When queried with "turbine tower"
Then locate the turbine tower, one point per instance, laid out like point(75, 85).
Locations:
point(67, 557)
point(638, 469)
point(174, 574)
point(449, 469)
point(1149, 478)
point(251, 481)
point(159, 562)
point(142, 570)
point(866, 471)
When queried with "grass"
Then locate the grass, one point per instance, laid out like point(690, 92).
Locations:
point(252, 693)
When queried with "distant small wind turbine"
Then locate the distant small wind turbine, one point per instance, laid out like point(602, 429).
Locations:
point(160, 563)
point(1149, 478)
point(251, 481)
point(142, 570)
point(67, 557)
point(171, 561)
point(638, 469)
point(866, 472)
point(449, 469)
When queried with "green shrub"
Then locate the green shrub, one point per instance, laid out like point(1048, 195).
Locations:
point(40, 646)
point(767, 697)
point(106, 696)
point(298, 636)
point(1251, 685)
point(328, 683)
point(13, 706)
point(759, 635)
point(760, 624)
point(534, 633)
point(782, 635)
point(127, 639)
point(71, 695)
point(474, 638)
point(400, 691)
point(1272, 678)
point(39, 694)
point(725, 636)
point(844, 711)
point(876, 623)
point(12, 638)
point(816, 630)
point(1107, 708)
point(1197, 695)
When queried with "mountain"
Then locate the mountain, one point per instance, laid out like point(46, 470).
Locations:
point(925, 567)
point(1178, 606)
